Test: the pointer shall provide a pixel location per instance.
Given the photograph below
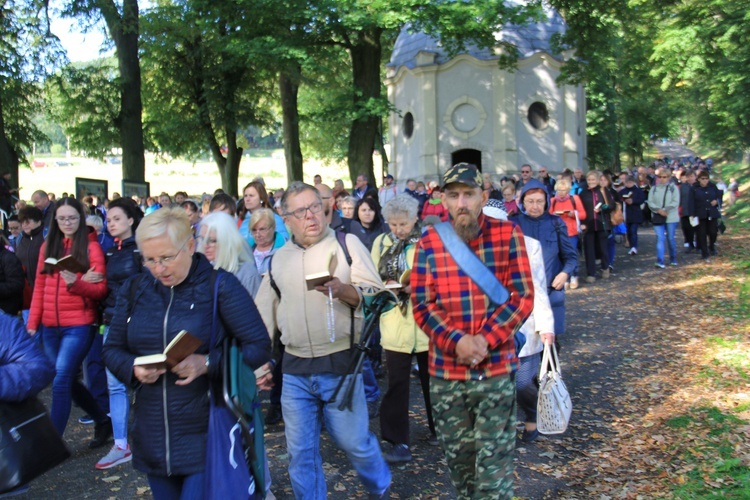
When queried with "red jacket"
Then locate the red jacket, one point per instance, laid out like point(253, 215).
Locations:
point(437, 209)
point(56, 304)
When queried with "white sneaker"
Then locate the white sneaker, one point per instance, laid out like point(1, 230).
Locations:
point(573, 282)
point(633, 251)
point(116, 456)
point(686, 245)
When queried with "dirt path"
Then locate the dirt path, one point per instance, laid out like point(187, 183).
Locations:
point(620, 333)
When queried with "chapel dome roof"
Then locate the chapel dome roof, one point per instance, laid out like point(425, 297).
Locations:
point(529, 39)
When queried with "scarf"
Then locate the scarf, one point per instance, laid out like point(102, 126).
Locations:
point(393, 260)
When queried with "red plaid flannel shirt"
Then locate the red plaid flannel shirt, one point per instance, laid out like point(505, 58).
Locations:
point(448, 304)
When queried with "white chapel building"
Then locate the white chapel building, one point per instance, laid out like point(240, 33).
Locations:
point(465, 108)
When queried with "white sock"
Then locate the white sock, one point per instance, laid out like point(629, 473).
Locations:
point(121, 443)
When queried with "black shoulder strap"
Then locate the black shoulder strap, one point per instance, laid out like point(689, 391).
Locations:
point(271, 280)
point(342, 241)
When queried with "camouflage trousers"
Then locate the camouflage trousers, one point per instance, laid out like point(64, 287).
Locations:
point(475, 420)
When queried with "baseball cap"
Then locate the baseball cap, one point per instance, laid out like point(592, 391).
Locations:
point(389, 176)
point(465, 173)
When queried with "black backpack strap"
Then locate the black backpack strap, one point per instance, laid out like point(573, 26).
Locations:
point(342, 242)
point(271, 280)
point(133, 292)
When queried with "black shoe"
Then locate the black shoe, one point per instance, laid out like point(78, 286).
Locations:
point(273, 415)
point(399, 453)
point(102, 433)
point(529, 436)
point(712, 252)
point(433, 440)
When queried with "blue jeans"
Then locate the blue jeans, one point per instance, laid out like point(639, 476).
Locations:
point(66, 347)
point(611, 244)
point(666, 231)
point(177, 487)
point(633, 234)
point(304, 405)
point(372, 391)
point(119, 403)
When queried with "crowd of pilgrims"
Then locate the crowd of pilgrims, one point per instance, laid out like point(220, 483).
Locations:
point(572, 215)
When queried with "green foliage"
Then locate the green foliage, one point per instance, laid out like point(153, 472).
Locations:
point(702, 53)
point(626, 106)
point(85, 100)
point(28, 52)
point(204, 76)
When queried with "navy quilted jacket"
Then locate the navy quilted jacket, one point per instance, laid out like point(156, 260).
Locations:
point(171, 421)
point(24, 368)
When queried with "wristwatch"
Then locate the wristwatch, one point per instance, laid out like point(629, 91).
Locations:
point(208, 358)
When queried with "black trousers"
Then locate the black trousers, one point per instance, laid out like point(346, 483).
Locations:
point(688, 231)
point(710, 228)
point(394, 409)
point(595, 244)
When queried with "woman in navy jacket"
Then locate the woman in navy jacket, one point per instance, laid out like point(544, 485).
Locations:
point(171, 409)
point(632, 197)
point(560, 257)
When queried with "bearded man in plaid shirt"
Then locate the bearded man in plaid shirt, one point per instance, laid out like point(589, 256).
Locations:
point(472, 357)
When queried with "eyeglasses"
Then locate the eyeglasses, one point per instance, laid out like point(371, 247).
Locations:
point(301, 212)
point(525, 171)
point(165, 261)
point(67, 220)
point(262, 229)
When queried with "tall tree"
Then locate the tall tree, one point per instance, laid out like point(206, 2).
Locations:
point(27, 54)
point(123, 27)
point(204, 81)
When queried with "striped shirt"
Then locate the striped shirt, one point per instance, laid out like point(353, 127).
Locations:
point(448, 304)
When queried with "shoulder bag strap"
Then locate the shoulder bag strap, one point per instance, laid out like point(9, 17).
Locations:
point(216, 279)
point(472, 265)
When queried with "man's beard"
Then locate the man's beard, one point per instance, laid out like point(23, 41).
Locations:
point(466, 229)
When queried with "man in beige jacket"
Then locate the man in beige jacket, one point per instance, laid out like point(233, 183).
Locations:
point(316, 326)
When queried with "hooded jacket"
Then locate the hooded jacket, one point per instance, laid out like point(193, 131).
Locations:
point(633, 212)
point(171, 421)
point(56, 304)
point(551, 232)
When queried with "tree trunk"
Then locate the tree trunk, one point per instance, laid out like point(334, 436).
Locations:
point(8, 155)
point(288, 87)
point(229, 177)
point(365, 54)
point(124, 30)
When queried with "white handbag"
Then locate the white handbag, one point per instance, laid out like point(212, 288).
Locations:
point(553, 407)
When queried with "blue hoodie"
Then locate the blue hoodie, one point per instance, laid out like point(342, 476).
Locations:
point(557, 249)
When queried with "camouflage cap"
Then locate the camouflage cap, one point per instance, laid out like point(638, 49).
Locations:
point(465, 173)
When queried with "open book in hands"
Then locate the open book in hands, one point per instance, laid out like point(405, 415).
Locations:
point(67, 263)
point(182, 346)
point(328, 267)
point(403, 281)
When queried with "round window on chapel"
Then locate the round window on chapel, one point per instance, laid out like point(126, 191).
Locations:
point(538, 115)
point(408, 125)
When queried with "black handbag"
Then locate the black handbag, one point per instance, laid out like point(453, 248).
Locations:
point(29, 443)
